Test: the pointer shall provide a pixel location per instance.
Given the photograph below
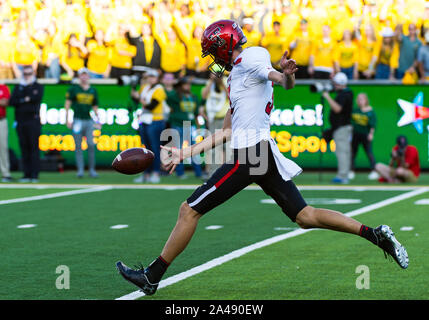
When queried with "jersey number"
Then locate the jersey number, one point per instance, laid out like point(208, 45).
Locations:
point(268, 108)
point(270, 105)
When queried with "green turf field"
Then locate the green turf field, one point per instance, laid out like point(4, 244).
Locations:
point(73, 228)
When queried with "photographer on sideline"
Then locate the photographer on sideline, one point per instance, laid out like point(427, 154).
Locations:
point(406, 159)
point(341, 128)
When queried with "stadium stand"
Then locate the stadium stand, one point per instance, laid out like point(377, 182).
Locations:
point(109, 37)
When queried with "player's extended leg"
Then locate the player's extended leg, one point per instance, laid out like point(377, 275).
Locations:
point(311, 217)
point(225, 183)
point(288, 197)
point(382, 236)
point(182, 232)
point(148, 279)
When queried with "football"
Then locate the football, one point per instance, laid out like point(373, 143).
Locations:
point(133, 160)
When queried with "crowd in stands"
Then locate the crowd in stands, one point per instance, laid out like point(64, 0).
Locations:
point(382, 39)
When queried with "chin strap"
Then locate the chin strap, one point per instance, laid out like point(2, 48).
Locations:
point(229, 66)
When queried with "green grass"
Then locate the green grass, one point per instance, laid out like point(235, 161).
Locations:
point(75, 231)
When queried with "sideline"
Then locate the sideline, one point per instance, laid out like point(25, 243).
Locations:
point(55, 195)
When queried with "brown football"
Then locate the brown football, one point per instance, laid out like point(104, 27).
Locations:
point(133, 160)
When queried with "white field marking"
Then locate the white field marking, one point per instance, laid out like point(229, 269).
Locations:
point(240, 252)
point(387, 202)
point(55, 195)
point(284, 228)
point(119, 226)
point(317, 201)
point(422, 202)
point(406, 228)
point(194, 186)
point(213, 227)
point(26, 226)
point(48, 186)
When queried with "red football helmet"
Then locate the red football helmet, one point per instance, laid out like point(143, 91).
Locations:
point(219, 40)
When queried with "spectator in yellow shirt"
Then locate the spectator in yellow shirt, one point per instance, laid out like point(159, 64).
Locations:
point(51, 45)
point(184, 22)
point(300, 47)
point(73, 56)
point(148, 50)
point(99, 56)
point(198, 15)
point(317, 16)
point(290, 19)
point(387, 53)
point(173, 53)
point(340, 18)
point(367, 54)
point(236, 12)
point(122, 54)
point(25, 54)
point(23, 21)
point(72, 21)
point(347, 56)
point(6, 53)
point(253, 36)
point(101, 15)
point(276, 44)
point(195, 65)
point(213, 14)
point(321, 64)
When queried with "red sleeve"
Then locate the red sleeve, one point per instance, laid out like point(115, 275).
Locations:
point(5, 92)
point(412, 159)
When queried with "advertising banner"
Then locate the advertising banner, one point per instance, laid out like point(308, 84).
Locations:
point(298, 119)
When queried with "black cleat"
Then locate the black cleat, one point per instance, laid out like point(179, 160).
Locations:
point(137, 277)
point(390, 245)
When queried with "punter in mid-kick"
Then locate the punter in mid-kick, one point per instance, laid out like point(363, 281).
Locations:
point(256, 157)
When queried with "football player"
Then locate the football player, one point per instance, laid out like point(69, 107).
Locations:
point(256, 157)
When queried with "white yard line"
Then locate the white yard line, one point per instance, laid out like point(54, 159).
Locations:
point(50, 186)
point(238, 253)
point(55, 195)
point(387, 202)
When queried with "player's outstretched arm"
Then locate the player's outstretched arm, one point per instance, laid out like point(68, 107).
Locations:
point(287, 77)
point(175, 156)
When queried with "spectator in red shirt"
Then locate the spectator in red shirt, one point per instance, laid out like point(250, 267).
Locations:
point(404, 164)
point(4, 149)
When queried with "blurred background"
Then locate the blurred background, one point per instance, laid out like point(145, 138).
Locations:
point(380, 45)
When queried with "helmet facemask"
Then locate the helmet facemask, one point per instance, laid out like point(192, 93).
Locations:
point(218, 66)
point(221, 38)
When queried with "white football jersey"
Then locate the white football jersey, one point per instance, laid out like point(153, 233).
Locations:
point(251, 97)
